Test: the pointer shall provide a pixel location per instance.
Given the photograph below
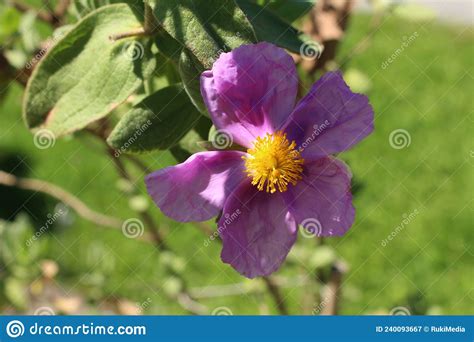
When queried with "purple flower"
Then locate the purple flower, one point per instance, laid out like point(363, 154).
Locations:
point(287, 176)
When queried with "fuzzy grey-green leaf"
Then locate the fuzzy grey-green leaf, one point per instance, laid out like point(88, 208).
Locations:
point(206, 28)
point(271, 28)
point(158, 122)
point(85, 75)
point(190, 71)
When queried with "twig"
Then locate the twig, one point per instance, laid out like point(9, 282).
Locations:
point(183, 298)
point(364, 43)
point(132, 33)
point(150, 26)
point(153, 229)
point(61, 8)
point(332, 291)
point(242, 288)
point(55, 191)
point(276, 294)
point(187, 302)
point(272, 287)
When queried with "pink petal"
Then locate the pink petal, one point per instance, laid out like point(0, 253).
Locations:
point(196, 189)
point(322, 202)
point(257, 231)
point(330, 118)
point(250, 91)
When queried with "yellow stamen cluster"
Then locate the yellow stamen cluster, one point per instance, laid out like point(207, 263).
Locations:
point(273, 162)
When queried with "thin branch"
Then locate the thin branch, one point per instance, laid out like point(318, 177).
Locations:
point(139, 32)
point(237, 289)
point(184, 299)
point(150, 26)
point(188, 303)
point(153, 228)
point(276, 294)
point(61, 8)
point(272, 286)
point(55, 191)
point(332, 291)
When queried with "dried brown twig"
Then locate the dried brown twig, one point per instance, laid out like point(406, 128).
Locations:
point(57, 192)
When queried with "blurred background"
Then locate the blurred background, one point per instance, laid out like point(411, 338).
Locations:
point(409, 251)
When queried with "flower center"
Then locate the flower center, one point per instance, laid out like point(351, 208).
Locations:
point(273, 162)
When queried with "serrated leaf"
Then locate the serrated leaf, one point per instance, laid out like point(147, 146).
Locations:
point(158, 122)
point(271, 28)
point(205, 29)
point(85, 75)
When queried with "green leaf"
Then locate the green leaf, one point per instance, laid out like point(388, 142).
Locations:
point(271, 28)
point(167, 45)
point(190, 71)
point(86, 75)
point(205, 29)
point(291, 10)
point(81, 8)
point(157, 122)
point(196, 34)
